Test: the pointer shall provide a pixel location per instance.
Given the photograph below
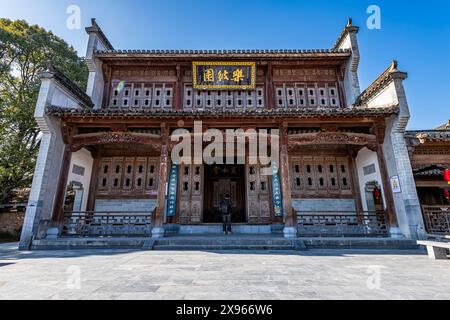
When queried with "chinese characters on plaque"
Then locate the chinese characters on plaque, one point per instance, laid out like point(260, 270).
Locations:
point(276, 186)
point(224, 75)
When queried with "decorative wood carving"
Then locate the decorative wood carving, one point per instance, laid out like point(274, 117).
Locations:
point(95, 139)
point(334, 138)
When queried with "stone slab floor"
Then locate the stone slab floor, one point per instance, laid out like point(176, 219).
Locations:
point(314, 274)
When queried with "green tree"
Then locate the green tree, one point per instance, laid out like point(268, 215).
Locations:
point(24, 52)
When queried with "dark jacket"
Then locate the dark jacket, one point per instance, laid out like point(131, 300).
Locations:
point(225, 203)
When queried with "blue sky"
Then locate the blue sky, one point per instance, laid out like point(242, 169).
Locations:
point(416, 33)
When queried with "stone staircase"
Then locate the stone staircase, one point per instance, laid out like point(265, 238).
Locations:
point(212, 243)
point(220, 242)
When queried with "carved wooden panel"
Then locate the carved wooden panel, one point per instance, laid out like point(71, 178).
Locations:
point(139, 178)
point(258, 196)
point(116, 181)
point(302, 74)
point(127, 176)
point(141, 95)
point(295, 95)
point(343, 168)
point(320, 176)
point(191, 194)
point(228, 99)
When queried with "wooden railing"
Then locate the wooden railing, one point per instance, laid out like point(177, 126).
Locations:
point(89, 223)
point(437, 219)
point(342, 224)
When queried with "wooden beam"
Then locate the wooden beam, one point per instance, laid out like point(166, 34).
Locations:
point(158, 219)
point(290, 214)
point(389, 196)
point(58, 209)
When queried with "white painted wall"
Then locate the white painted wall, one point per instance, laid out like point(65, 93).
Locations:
point(365, 158)
point(385, 97)
point(62, 98)
point(83, 159)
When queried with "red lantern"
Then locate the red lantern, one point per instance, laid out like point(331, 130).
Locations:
point(447, 194)
point(447, 175)
point(376, 194)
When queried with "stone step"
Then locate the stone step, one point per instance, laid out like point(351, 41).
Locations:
point(206, 241)
point(79, 243)
point(217, 242)
point(205, 247)
point(360, 243)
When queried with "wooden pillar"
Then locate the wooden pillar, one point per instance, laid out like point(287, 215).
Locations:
point(94, 181)
point(290, 230)
point(269, 87)
point(389, 197)
point(158, 217)
point(340, 78)
point(58, 209)
point(355, 182)
point(107, 73)
point(179, 90)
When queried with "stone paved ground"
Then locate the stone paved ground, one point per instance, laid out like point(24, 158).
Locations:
point(315, 274)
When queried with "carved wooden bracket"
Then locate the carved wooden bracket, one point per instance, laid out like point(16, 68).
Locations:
point(67, 133)
point(95, 139)
point(379, 129)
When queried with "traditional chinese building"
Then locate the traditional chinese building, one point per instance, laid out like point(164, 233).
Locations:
point(105, 169)
point(430, 156)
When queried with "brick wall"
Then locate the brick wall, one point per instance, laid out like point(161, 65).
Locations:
point(11, 223)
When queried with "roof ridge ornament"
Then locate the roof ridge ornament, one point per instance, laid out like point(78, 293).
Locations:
point(349, 28)
point(394, 66)
point(349, 22)
point(95, 28)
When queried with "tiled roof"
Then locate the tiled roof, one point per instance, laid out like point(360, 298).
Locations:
point(224, 53)
point(429, 171)
point(256, 113)
point(445, 126)
point(430, 135)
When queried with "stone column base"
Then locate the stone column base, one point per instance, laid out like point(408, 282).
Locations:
point(158, 232)
point(396, 233)
point(290, 232)
point(52, 233)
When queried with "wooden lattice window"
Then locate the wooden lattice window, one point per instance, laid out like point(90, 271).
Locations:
point(127, 175)
point(325, 176)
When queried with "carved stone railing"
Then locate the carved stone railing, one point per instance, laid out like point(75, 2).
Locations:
point(95, 224)
point(342, 224)
point(437, 219)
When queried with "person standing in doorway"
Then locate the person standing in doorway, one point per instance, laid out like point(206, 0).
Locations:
point(225, 210)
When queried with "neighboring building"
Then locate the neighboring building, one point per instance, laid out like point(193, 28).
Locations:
point(430, 156)
point(104, 164)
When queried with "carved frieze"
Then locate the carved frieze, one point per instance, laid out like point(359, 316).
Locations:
point(335, 138)
point(83, 140)
point(301, 74)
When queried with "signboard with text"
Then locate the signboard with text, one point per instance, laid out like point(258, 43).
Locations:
point(224, 75)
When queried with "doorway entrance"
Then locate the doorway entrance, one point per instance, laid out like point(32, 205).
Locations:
point(221, 180)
